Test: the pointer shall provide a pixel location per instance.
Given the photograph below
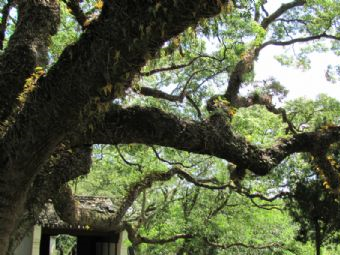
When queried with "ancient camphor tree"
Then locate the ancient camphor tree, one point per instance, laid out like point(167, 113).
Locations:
point(54, 107)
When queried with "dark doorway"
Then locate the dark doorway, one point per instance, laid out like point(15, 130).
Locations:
point(84, 242)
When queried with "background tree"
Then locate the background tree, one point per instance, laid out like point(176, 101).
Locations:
point(317, 213)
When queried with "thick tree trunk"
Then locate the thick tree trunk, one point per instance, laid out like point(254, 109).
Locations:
point(64, 94)
point(24, 225)
point(70, 164)
point(9, 212)
point(27, 48)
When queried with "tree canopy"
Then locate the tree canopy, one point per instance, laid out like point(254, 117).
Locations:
point(152, 93)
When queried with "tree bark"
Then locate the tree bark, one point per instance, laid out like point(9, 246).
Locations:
point(65, 164)
point(153, 126)
point(28, 48)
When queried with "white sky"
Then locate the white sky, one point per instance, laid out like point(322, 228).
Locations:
point(299, 83)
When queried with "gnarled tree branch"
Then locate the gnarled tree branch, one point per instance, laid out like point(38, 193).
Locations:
point(137, 239)
point(299, 40)
point(153, 127)
point(248, 246)
point(65, 164)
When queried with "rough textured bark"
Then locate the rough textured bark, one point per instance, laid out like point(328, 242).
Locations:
point(37, 21)
point(64, 165)
point(27, 48)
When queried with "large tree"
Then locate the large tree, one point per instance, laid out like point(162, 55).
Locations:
point(54, 107)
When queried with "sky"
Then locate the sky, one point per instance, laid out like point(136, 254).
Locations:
point(300, 83)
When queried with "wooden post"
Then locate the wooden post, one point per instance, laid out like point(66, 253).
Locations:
point(36, 240)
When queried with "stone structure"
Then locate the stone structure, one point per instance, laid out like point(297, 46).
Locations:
point(41, 240)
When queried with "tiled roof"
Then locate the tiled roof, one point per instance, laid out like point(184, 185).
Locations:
point(49, 218)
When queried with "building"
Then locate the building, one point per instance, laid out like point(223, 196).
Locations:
point(41, 240)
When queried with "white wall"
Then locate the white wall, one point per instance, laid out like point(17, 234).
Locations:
point(25, 247)
point(122, 247)
point(30, 245)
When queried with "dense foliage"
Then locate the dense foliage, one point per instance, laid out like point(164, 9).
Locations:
point(251, 217)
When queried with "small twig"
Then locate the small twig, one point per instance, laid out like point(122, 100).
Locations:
point(167, 161)
point(292, 20)
point(264, 10)
point(263, 100)
point(248, 246)
point(102, 147)
point(192, 102)
point(137, 239)
point(197, 182)
point(283, 113)
point(218, 208)
point(246, 192)
point(170, 68)
point(139, 167)
point(298, 40)
point(155, 93)
point(267, 207)
point(77, 12)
